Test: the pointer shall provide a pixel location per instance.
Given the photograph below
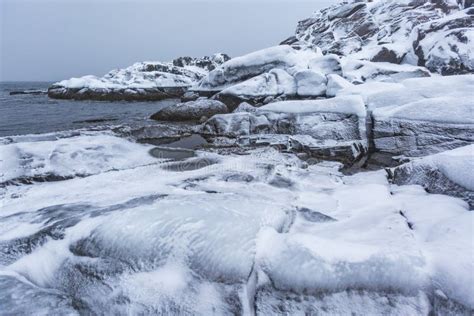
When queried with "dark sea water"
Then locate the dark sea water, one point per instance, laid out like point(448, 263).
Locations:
point(32, 114)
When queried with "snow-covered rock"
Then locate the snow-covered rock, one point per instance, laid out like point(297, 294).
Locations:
point(423, 116)
point(310, 83)
point(77, 156)
point(449, 172)
point(245, 107)
point(191, 111)
point(141, 81)
point(234, 237)
point(336, 83)
point(360, 71)
point(248, 66)
point(331, 129)
point(435, 34)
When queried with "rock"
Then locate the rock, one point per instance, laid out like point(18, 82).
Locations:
point(145, 81)
point(424, 127)
point(232, 125)
point(245, 107)
point(444, 173)
point(435, 34)
point(335, 84)
point(423, 116)
point(314, 216)
point(387, 55)
point(328, 64)
point(310, 83)
point(190, 111)
point(453, 54)
point(359, 71)
point(242, 68)
point(274, 83)
point(189, 96)
point(332, 129)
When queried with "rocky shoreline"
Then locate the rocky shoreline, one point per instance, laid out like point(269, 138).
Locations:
point(367, 95)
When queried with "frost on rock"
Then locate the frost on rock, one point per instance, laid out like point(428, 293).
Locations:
point(423, 116)
point(435, 34)
point(141, 81)
point(331, 129)
point(234, 237)
point(448, 173)
point(245, 67)
point(192, 110)
point(83, 155)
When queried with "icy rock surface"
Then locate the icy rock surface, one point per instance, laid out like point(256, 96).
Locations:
point(192, 110)
point(248, 66)
point(448, 173)
point(331, 128)
point(435, 34)
point(141, 81)
point(422, 116)
point(231, 237)
point(87, 154)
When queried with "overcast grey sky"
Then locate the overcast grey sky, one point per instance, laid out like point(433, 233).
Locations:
point(47, 40)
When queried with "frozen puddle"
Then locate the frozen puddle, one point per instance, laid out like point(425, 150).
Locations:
point(253, 234)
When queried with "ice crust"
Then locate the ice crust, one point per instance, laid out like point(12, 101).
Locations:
point(191, 241)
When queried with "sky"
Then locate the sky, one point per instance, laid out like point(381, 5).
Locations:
point(49, 40)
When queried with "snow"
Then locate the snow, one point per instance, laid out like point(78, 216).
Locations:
point(454, 164)
point(335, 84)
point(310, 83)
point(456, 110)
point(169, 240)
point(344, 104)
point(275, 82)
point(379, 94)
point(241, 68)
point(148, 75)
point(72, 156)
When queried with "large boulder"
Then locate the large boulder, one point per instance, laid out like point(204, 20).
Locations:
point(241, 68)
point(145, 81)
point(449, 172)
point(191, 111)
point(424, 127)
point(274, 83)
point(423, 116)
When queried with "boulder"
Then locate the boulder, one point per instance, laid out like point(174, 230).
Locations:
point(310, 83)
point(245, 107)
point(335, 84)
point(448, 173)
point(424, 127)
point(241, 68)
point(191, 111)
point(274, 83)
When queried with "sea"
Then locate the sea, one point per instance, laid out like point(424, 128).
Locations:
point(22, 114)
